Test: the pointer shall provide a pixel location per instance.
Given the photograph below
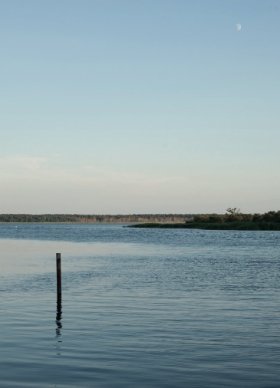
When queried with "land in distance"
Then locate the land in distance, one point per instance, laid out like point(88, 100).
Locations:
point(232, 220)
point(93, 218)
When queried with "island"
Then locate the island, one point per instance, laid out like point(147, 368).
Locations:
point(233, 219)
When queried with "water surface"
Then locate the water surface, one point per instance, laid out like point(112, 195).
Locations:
point(141, 307)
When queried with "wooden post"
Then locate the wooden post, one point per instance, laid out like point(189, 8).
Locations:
point(58, 278)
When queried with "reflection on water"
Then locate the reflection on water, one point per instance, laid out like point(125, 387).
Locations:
point(58, 329)
point(58, 318)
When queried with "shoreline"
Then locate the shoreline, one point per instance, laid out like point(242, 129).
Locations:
point(213, 226)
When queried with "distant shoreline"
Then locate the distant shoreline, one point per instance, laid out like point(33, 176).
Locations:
point(213, 226)
point(231, 220)
point(95, 219)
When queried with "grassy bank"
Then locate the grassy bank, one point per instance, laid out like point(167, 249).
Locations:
point(232, 220)
point(214, 226)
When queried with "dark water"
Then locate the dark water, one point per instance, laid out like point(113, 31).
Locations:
point(141, 307)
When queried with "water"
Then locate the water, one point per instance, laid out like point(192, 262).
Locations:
point(141, 307)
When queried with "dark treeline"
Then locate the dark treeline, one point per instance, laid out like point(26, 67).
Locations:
point(78, 218)
point(232, 216)
point(232, 219)
point(236, 220)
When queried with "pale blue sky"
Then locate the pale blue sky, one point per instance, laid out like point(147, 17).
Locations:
point(134, 106)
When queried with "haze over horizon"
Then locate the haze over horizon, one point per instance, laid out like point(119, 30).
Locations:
point(120, 107)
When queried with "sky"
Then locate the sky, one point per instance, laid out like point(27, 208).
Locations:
point(139, 106)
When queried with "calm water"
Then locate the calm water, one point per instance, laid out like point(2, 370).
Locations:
point(141, 308)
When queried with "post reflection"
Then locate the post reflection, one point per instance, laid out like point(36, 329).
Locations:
point(58, 318)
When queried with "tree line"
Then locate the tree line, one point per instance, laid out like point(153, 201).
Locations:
point(234, 219)
point(82, 218)
point(233, 215)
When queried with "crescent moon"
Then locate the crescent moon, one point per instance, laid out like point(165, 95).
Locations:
point(238, 27)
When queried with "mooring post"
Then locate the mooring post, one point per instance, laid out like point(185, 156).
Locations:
point(58, 278)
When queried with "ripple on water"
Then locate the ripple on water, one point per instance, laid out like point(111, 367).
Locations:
point(140, 308)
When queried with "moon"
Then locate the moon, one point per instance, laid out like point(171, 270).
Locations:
point(238, 27)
